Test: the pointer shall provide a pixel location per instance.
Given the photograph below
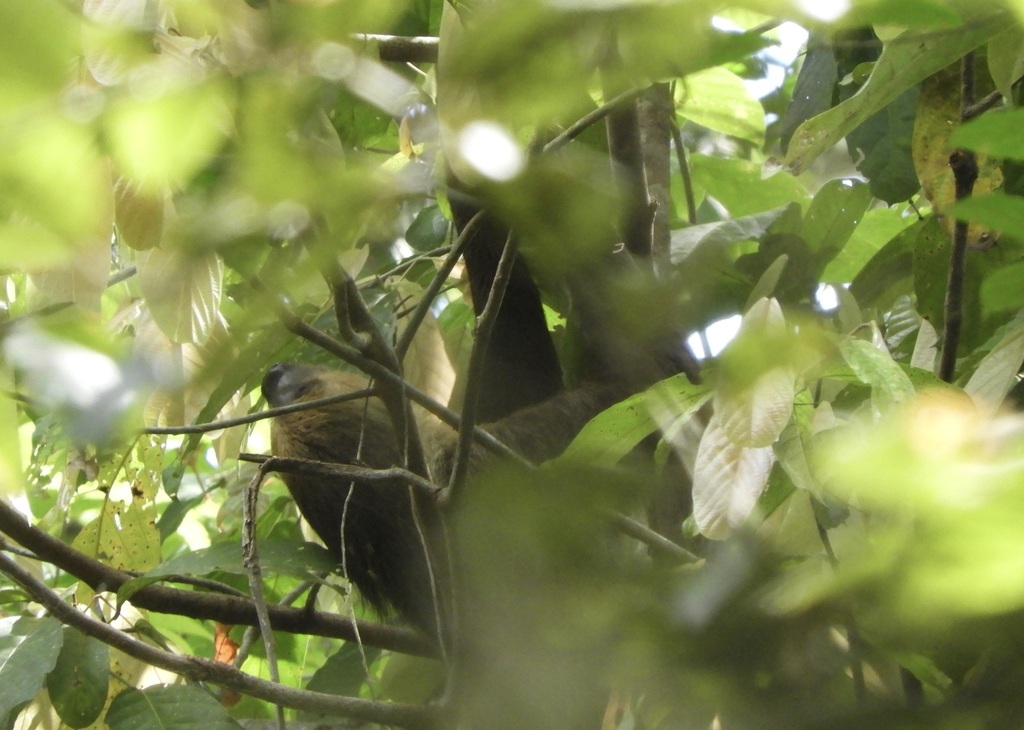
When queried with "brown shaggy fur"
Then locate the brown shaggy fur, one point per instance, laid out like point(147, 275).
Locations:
point(370, 527)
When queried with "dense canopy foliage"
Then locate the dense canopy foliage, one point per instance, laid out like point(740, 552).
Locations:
point(827, 530)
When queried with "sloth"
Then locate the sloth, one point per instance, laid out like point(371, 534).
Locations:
point(370, 527)
point(387, 542)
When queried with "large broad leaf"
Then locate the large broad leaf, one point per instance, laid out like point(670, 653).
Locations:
point(938, 115)
point(877, 227)
point(617, 431)
point(183, 291)
point(882, 148)
point(906, 60)
point(740, 186)
point(728, 479)
point(837, 209)
point(886, 275)
point(28, 651)
point(718, 99)
point(754, 401)
point(180, 707)
point(78, 684)
point(692, 239)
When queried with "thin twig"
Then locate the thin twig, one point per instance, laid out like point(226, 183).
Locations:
point(251, 632)
point(644, 534)
point(478, 356)
point(206, 670)
point(583, 123)
point(251, 561)
point(380, 373)
point(290, 465)
point(349, 304)
point(260, 415)
point(684, 172)
point(976, 110)
point(432, 290)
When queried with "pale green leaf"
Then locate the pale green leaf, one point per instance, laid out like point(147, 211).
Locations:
point(183, 291)
point(164, 140)
point(168, 706)
point(728, 479)
point(996, 374)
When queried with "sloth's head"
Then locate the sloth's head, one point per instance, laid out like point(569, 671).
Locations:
point(356, 430)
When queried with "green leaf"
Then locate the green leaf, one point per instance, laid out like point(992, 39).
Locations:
point(877, 369)
point(28, 652)
point(905, 61)
point(428, 230)
point(877, 227)
point(996, 210)
point(718, 99)
point(276, 556)
point(996, 133)
point(42, 42)
point(882, 148)
point(344, 672)
point(162, 141)
point(123, 537)
point(740, 187)
point(616, 431)
point(78, 684)
point(167, 706)
point(997, 373)
point(1002, 291)
point(836, 210)
point(689, 240)
point(886, 275)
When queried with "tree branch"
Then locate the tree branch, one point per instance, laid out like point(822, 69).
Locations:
point(259, 415)
point(254, 572)
point(432, 290)
point(344, 471)
point(965, 173)
point(203, 605)
point(205, 670)
point(478, 356)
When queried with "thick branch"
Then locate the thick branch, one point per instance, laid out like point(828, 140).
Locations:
point(202, 605)
point(206, 670)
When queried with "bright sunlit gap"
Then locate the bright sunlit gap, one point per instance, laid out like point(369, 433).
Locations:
point(491, 151)
point(778, 58)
